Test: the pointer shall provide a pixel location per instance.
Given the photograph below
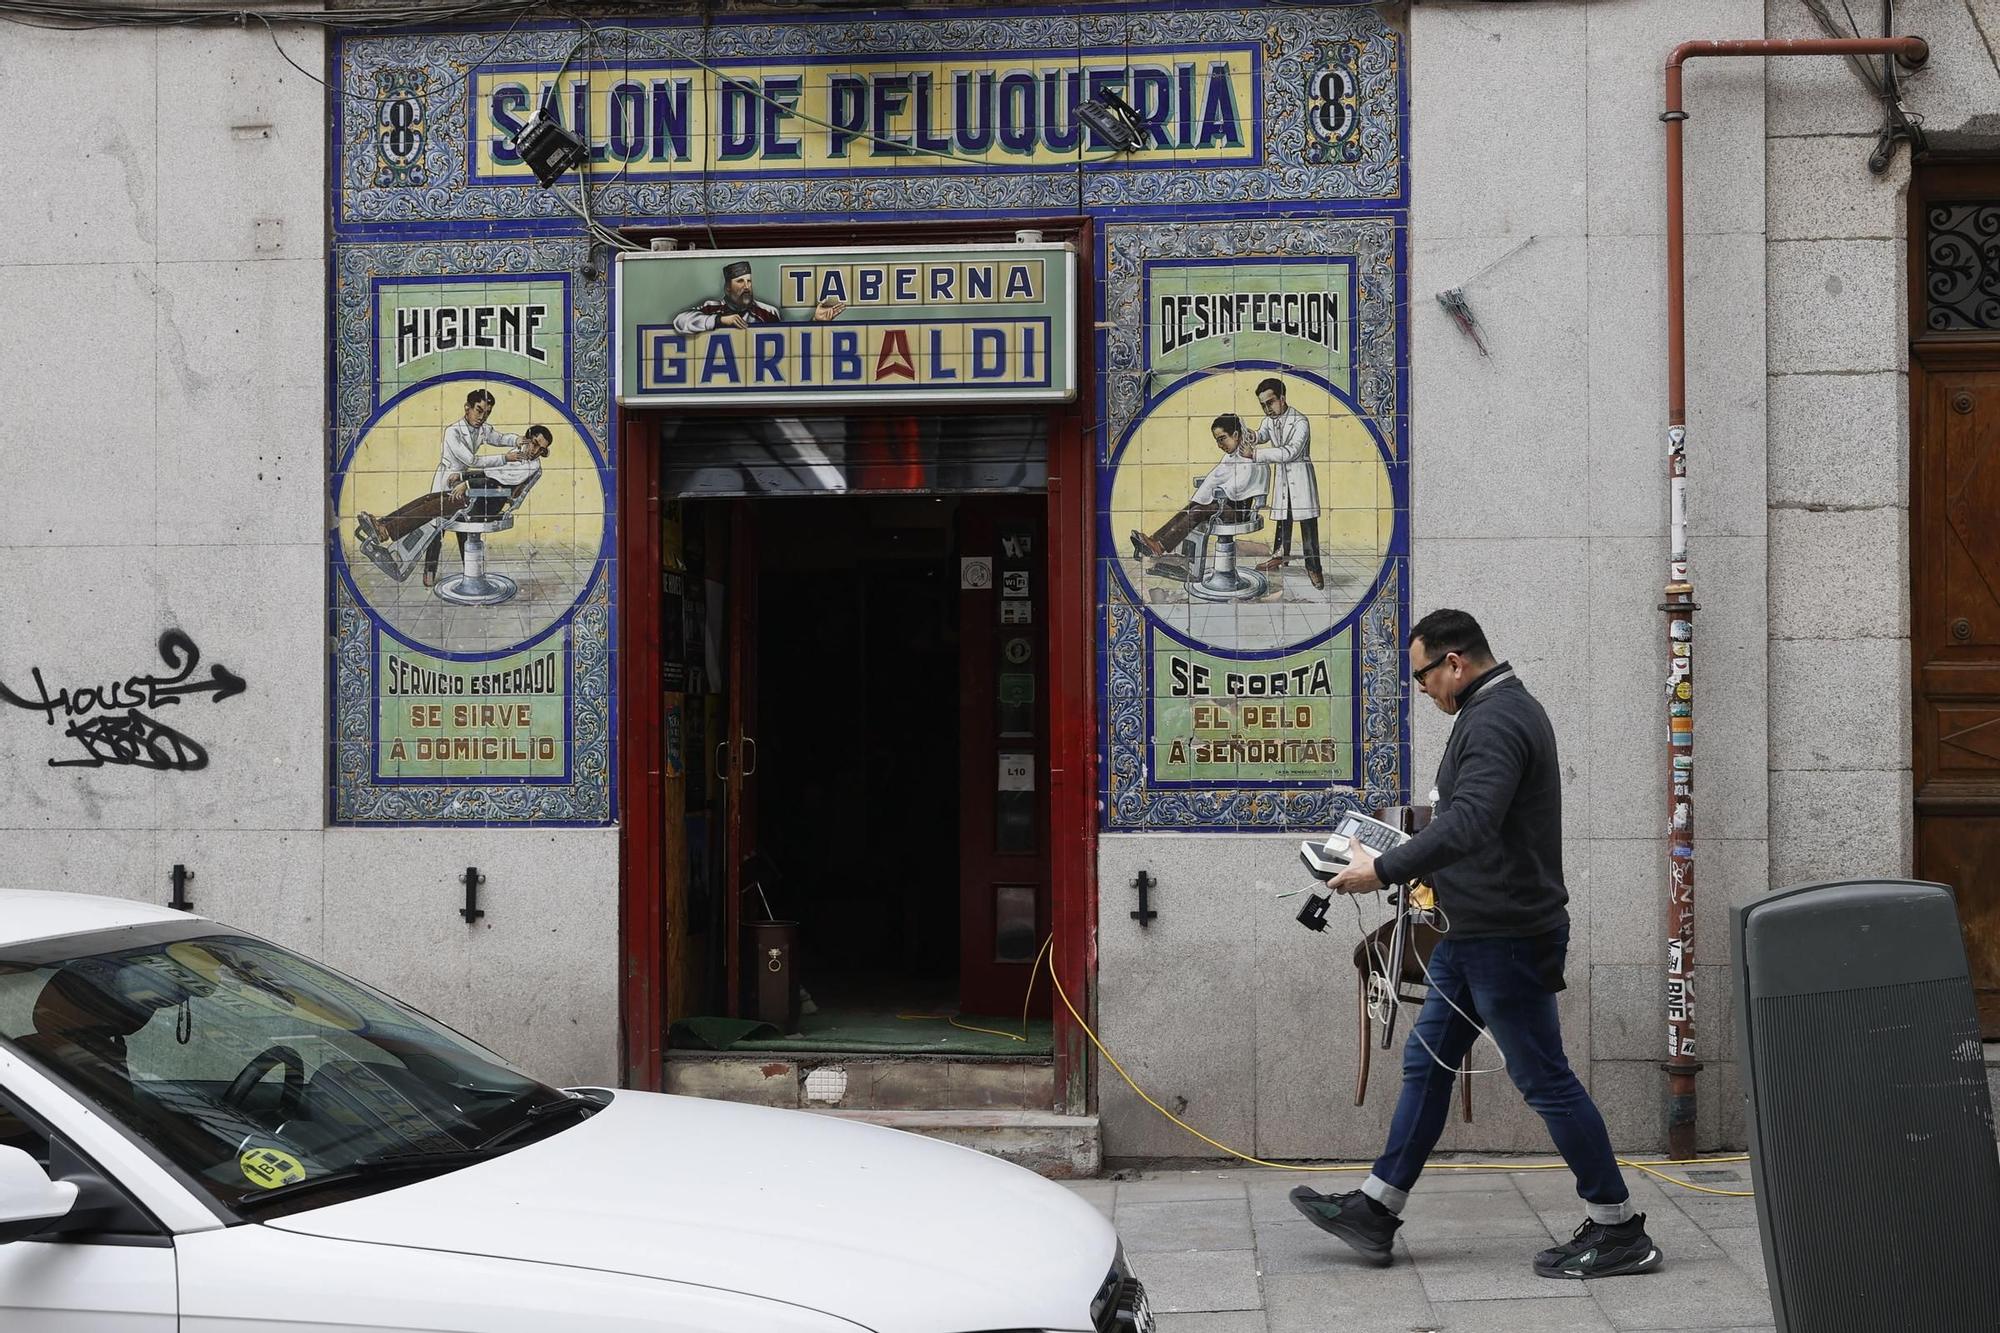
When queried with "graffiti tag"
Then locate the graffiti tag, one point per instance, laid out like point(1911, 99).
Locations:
point(109, 722)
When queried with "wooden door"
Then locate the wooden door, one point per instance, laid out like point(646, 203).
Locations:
point(1003, 753)
point(1955, 549)
point(1955, 640)
point(736, 750)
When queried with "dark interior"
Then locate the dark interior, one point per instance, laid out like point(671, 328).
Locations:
point(858, 710)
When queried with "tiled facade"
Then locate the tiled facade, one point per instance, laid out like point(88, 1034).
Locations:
point(227, 272)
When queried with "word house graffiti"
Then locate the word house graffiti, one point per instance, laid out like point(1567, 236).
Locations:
point(109, 722)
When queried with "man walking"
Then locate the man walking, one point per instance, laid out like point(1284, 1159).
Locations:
point(1493, 852)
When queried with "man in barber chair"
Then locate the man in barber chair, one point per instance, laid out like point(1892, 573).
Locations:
point(1493, 853)
point(516, 471)
point(1235, 482)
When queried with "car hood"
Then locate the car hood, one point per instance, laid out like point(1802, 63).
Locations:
point(890, 1230)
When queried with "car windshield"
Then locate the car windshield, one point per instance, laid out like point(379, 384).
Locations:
point(260, 1074)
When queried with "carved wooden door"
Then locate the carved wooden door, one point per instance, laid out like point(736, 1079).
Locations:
point(1955, 548)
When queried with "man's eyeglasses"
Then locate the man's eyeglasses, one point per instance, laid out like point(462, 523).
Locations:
point(1428, 667)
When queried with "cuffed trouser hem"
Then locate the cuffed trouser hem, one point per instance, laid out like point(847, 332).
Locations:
point(1607, 1214)
point(1382, 1192)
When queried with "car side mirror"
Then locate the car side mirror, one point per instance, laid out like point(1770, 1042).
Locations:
point(29, 1200)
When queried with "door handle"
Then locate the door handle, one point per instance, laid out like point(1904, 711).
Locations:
point(721, 760)
point(749, 756)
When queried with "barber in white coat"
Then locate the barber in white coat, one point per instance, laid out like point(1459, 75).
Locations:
point(463, 441)
point(1284, 440)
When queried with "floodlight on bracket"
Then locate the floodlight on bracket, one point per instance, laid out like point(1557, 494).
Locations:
point(1113, 120)
point(546, 146)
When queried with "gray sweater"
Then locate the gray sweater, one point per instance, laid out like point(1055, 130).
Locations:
point(1493, 850)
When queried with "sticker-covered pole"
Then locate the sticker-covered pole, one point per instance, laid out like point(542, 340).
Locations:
point(1681, 1066)
point(1679, 605)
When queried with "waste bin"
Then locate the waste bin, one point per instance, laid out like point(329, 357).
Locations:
point(1871, 1130)
point(773, 972)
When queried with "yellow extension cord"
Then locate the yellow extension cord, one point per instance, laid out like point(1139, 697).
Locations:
point(1048, 953)
point(1112, 1060)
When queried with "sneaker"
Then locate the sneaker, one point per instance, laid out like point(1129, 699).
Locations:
point(1355, 1218)
point(1597, 1250)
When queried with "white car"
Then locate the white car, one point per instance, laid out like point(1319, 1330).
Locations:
point(201, 1131)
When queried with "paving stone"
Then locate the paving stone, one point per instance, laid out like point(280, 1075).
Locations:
point(1355, 1300)
point(1518, 1316)
point(1199, 1281)
point(1192, 1224)
point(1298, 1246)
point(1271, 1201)
point(1710, 1213)
point(1441, 1177)
point(1180, 1185)
point(1678, 1236)
point(1744, 1247)
point(1689, 1294)
point(1470, 1213)
point(1234, 1321)
point(1478, 1268)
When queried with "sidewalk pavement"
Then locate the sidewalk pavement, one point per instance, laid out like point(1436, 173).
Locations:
point(1222, 1250)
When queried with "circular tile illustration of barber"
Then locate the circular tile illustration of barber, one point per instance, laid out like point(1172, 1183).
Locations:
point(1252, 508)
point(471, 514)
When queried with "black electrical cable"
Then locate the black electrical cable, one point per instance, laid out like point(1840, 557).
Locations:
point(110, 13)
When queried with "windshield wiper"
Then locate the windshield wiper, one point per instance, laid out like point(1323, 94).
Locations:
point(364, 1168)
point(535, 1114)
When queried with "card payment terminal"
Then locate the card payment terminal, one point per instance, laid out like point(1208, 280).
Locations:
point(1329, 858)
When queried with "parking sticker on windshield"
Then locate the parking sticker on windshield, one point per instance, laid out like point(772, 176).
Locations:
point(268, 1168)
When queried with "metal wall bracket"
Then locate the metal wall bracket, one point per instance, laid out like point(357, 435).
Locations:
point(471, 879)
point(180, 902)
point(1145, 884)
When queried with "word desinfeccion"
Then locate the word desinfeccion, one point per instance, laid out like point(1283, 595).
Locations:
point(1189, 318)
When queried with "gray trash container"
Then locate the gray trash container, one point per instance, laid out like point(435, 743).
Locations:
point(1871, 1131)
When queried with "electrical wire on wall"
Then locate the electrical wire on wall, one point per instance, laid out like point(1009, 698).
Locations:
point(78, 17)
point(1898, 124)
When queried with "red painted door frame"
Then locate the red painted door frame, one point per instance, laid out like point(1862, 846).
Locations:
point(986, 985)
point(1072, 500)
point(642, 841)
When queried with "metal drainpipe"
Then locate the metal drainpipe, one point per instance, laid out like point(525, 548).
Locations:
point(1679, 605)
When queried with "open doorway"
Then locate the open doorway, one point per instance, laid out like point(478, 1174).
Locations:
point(882, 772)
point(793, 553)
point(858, 688)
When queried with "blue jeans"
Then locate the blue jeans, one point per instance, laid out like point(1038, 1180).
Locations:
point(1505, 985)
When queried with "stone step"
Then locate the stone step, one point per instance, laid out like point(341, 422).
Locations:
point(1060, 1147)
point(863, 1082)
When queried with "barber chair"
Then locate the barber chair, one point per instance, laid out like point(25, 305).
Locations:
point(489, 507)
point(1215, 578)
point(1418, 942)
